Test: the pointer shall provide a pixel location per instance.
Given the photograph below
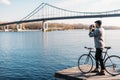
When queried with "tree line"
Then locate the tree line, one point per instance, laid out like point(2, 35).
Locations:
point(55, 26)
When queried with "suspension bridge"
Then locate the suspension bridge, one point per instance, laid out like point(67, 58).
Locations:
point(45, 12)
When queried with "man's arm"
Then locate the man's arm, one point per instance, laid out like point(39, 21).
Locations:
point(91, 34)
point(94, 33)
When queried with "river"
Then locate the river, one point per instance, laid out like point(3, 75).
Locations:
point(37, 55)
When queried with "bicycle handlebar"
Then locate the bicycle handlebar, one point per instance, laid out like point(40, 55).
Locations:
point(88, 48)
point(93, 48)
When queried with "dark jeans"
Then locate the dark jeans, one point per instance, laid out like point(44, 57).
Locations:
point(99, 58)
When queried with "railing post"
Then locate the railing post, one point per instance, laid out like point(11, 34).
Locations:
point(19, 27)
point(6, 28)
point(44, 26)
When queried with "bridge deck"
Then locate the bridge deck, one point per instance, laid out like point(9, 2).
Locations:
point(75, 74)
point(62, 18)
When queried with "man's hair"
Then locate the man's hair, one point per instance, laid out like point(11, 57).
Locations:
point(99, 22)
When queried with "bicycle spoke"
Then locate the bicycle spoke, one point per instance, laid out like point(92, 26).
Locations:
point(85, 63)
point(112, 65)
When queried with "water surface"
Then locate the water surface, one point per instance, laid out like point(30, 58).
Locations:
point(38, 55)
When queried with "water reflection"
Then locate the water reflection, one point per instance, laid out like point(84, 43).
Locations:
point(45, 40)
point(38, 55)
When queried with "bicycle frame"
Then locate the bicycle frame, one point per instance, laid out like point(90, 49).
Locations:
point(104, 57)
point(107, 60)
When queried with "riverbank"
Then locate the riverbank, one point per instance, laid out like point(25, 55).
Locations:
point(56, 27)
point(49, 30)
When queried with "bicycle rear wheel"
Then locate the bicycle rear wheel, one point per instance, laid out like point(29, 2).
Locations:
point(85, 63)
point(112, 65)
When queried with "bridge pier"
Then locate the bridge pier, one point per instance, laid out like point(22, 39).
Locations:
point(19, 27)
point(6, 28)
point(44, 26)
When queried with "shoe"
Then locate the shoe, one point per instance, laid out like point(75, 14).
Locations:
point(101, 73)
point(95, 71)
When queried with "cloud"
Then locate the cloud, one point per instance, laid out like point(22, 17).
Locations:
point(7, 2)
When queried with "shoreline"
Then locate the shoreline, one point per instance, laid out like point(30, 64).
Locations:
point(49, 30)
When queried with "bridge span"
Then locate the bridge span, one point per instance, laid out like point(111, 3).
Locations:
point(45, 12)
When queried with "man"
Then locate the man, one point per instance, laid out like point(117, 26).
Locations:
point(98, 34)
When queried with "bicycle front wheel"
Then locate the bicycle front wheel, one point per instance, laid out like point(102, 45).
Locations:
point(112, 64)
point(85, 63)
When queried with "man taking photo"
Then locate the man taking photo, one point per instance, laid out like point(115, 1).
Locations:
point(97, 32)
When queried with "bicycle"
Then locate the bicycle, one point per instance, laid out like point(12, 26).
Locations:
point(112, 63)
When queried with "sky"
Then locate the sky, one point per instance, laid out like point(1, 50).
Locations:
point(12, 10)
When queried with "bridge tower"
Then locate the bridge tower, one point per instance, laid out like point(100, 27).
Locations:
point(19, 27)
point(6, 28)
point(44, 26)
